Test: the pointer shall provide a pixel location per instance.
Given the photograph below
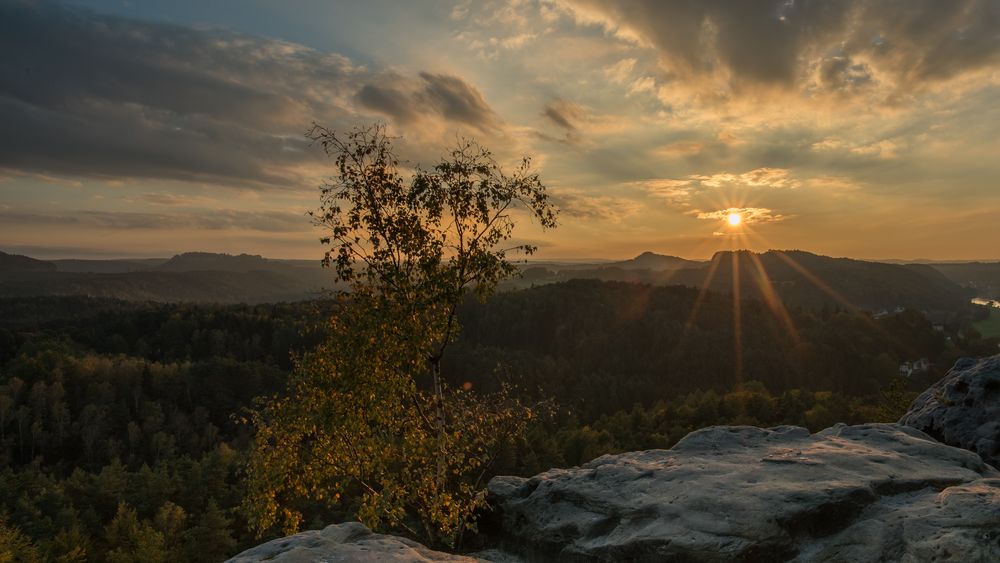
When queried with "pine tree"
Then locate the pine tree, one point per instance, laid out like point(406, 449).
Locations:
point(132, 541)
point(211, 539)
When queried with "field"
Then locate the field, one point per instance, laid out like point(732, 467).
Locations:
point(991, 326)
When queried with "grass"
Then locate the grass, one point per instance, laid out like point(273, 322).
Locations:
point(991, 326)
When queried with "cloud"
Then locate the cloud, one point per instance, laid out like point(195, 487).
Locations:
point(620, 71)
point(590, 207)
point(55, 252)
point(9, 174)
point(676, 192)
point(643, 84)
point(681, 149)
point(675, 188)
point(437, 95)
point(515, 41)
point(564, 113)
point(840, 73)
point(389, 101)
point(725, 48)
point(748, 215)
point(881, 149)
point(458, 101)
point(493, 47)
point(166, 198)
point(102, 96)
point(212, 220)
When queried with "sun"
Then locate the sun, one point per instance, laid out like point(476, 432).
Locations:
point(734, 219)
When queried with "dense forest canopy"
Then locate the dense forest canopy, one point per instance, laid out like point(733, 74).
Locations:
point(118, 420)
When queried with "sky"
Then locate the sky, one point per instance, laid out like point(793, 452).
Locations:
point(861, 128)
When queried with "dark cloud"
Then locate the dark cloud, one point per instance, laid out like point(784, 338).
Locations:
point(389, 101)
point(442, 95)
point(105, 140)
point(769, 41)
point(102, 96)
point(563, 113)
point(87, 94)
point(558, 118)
point(457, 100)
point(840, 73)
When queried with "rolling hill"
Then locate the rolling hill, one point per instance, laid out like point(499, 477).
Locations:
point(795, 277)
point(19, 263)
point(191, 277)
point(810, 280)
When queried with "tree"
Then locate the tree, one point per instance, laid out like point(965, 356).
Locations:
point(368, 414)
point(170, 522)
point(15, 547)
point(210, 539)
point(131, 540)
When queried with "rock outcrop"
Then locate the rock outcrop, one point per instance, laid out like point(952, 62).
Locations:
point(350, 541)
point(874, 492)
point(963, 408)
point(867, 493)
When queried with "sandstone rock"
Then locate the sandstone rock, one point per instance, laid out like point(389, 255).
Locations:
point(350, 541)
point(875, 492)
point(963, 409)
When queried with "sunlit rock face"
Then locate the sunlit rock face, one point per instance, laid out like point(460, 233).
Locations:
point(963, 408)
point(350, 541)
point(874, 492)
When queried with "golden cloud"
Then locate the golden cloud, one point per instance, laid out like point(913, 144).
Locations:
point(748, 215)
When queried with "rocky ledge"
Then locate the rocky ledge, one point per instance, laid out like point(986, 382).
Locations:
point(873, 492)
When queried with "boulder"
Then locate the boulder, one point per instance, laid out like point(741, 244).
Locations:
point(350, 541)
point(963, 408)
point(873, 492)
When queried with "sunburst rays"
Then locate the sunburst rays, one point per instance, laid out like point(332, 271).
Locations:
point(745, 266)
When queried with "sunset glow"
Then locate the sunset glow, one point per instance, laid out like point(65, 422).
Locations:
point(843, 117)
point(356, 268)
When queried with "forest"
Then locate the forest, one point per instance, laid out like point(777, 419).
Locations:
point(121, 433)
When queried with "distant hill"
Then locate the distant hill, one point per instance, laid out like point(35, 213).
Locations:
point(981, 277)
point(192, 277)
point(19, 263)
point(796, 277)
point(654, 262)
point(648, 267)
point(211, 262)
point(107, 266)
point(811, 280)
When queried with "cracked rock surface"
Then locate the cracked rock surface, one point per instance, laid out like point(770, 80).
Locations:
point(963, 408)
point(873, 492)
